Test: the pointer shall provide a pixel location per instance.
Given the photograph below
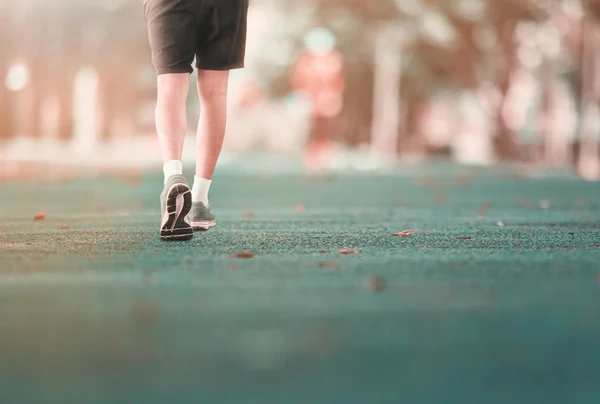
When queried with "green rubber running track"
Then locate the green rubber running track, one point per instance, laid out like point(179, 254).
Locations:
point(494, 298)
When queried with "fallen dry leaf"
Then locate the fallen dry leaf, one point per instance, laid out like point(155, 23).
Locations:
point(323, 251)
point(300, 208)
point(348, 252)
point(243, 255)
point(248, 213)
point(374, 283)
point(405, 233)
point(39, 217)
point(329, 265)
point(64, 227)
point(427, 246)
point(464, 238)
point(517, 244)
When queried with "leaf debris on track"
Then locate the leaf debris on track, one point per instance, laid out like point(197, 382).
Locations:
point(243, 255)
point(405, 233)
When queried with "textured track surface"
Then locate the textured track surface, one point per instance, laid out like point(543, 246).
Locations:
point(471, 310)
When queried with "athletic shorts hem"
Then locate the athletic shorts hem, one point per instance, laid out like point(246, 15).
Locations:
point(231, 66)
point(174, 70)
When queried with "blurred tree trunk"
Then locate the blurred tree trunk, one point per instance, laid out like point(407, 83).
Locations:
point(107, 99)
point(547, 97)
point(358, 95)
point(69, 28)
point(386, 94)
point(589, 158)
point(505, 143)
point(34, 48)
point(6, 102)
point(6, 98)
point(412, 142)
point(35, 93)
point(466, 58)
point(64, 90)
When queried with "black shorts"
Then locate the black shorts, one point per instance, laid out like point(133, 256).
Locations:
point(213, 31)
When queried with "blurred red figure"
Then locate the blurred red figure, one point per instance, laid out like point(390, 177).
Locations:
point(319, 73)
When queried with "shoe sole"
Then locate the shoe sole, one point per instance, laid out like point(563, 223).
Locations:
point(203, 226)
point(175, 226)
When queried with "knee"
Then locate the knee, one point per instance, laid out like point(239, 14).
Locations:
point(213, 87)
point(173, 89)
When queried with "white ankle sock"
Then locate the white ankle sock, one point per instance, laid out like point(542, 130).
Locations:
point(173, 167)
point(200, 190)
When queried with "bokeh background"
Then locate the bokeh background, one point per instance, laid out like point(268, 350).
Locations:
point(336, 81)
point(402, 274)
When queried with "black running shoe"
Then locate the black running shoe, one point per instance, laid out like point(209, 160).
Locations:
point(176, 203)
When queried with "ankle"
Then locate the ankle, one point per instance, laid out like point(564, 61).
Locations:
point(171, 168)
point(200, 190)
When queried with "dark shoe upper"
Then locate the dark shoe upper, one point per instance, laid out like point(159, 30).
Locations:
point(201, 213)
